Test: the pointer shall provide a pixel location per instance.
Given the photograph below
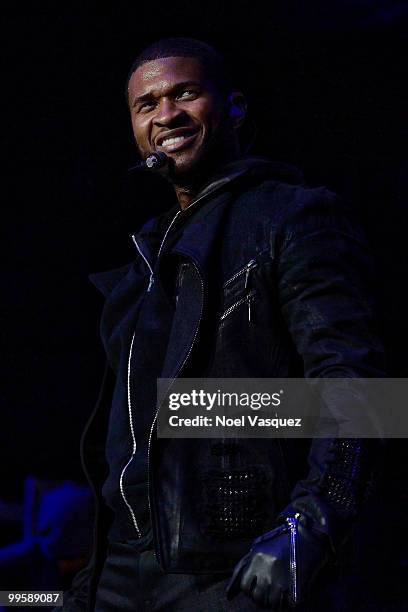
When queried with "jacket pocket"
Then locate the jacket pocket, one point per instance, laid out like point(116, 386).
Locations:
point(238, 291)
point(247, 300)
point(243, 273)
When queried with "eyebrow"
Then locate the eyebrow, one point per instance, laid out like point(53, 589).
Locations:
point(174, 89)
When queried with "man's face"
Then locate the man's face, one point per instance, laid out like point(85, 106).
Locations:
point(177, 109)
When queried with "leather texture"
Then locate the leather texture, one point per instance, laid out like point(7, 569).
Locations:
point(265, 574)
point(312, 314)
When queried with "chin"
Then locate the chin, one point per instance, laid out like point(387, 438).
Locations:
point(185, 166)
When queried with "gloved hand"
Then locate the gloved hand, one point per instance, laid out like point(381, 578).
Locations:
point(281, 565)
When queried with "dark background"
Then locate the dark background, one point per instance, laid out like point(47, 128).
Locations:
point(325, 82)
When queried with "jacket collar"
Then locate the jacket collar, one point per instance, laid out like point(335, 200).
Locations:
point(208, 209)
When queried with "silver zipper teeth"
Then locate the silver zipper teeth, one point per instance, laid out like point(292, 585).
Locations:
point(227, 312)
point(151, 279)
point(164, 238)
point(132, 431)
point(173, 220)
point(177, 373)
point(145, 260)
point(132, 514)
point(130, 357)
point(293, 526)
point(195, 335)
point(167, 231)
point(251, 264)
point(199, 199)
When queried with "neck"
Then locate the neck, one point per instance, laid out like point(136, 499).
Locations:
point(187, 188)
point(185, 195)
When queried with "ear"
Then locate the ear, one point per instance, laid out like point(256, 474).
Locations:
point(237, 108)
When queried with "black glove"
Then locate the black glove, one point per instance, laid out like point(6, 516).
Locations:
point(319, 518)
point(281, 565)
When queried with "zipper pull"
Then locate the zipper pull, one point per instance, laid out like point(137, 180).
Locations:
point(250, 298)
point(151, 281)
point(251, 264)
point(293, 523)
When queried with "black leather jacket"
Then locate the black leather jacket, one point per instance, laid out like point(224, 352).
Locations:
point(276, 283)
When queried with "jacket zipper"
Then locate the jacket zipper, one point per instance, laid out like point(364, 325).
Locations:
point(166, 233)
point(151, 280)
point(146, 262)
point(132, 431)
point(249, 298)
point(245, 270)
point(129, 401)
point(293, 523)
point(175, 376)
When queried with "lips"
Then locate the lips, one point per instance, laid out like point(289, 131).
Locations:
point(175, 140)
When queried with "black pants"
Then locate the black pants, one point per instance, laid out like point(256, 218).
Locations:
point(133, 582)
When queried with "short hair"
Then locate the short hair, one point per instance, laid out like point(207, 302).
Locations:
point(213, 62)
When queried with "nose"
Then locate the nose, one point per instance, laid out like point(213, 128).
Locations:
point(166, 112)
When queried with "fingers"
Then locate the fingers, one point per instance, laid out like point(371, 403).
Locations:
point(256, 585)
point(268, 596)
point(248, 583)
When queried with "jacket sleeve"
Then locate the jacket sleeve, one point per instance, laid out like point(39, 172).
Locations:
point(326, 297)
point(81, 596)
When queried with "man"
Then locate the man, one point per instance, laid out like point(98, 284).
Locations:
point(251, 275)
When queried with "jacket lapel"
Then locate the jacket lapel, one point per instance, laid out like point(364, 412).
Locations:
point(196, 245)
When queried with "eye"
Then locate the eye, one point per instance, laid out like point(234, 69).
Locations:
point(145, 107)
point(188, 93)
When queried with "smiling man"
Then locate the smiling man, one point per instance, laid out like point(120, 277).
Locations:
point(251, 274)
point(179, 107)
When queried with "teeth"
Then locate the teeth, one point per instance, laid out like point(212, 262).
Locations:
point(171, 141)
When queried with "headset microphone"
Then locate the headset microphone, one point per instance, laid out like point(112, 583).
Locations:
point(154, 161)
